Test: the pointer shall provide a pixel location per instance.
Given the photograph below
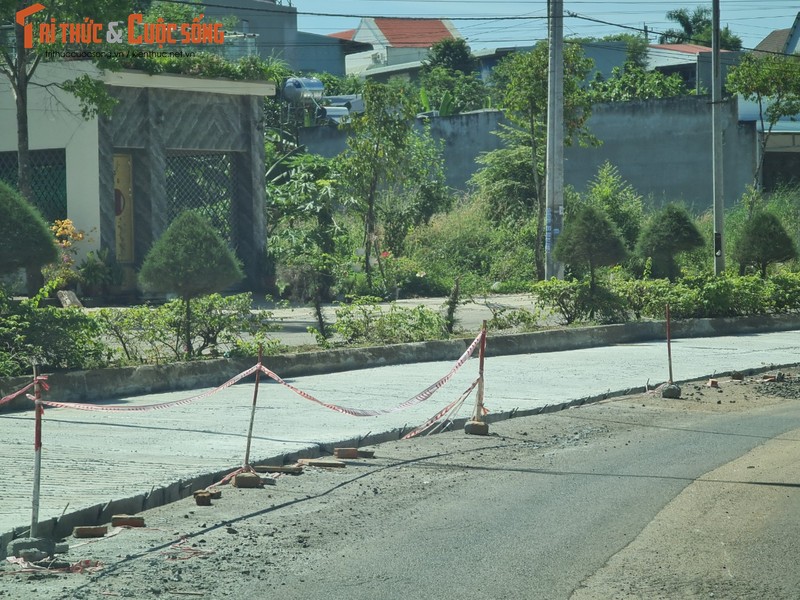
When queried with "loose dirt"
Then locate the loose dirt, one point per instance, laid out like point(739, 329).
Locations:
point(716, 539)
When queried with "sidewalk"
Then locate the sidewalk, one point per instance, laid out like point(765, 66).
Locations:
point(92, 458)
point(469, 315)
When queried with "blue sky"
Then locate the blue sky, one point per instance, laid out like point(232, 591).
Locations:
point(751, 20)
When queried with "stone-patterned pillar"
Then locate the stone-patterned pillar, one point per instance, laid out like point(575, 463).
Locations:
point(105, 153)
point(149, 176)
point(248, 193)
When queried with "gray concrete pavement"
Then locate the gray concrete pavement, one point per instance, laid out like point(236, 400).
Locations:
point(295, 321)
point(94, 457)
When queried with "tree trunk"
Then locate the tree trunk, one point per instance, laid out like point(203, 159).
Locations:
point(20, 86)
point(369, 229)
point(538, 251)
point(19, 83)
point(187, 331)
point(328, 246)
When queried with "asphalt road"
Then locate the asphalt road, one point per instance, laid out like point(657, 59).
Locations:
point(92, 457)
point(537, 527)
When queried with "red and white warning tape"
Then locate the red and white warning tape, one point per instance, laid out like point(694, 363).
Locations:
point(360, 412)
point(42, 380)
point(118, 408)
point(451, 408)
point(356, 412)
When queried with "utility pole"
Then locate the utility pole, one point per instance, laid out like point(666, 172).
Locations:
point(554, 206)
point(717, 143)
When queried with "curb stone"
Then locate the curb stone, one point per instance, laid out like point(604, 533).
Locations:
point(348, 359)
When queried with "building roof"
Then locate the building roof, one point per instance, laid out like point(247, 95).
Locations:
point(774, 42)
point(414, 33)
point(781, 41)
point(684, 48)
point(343, 35)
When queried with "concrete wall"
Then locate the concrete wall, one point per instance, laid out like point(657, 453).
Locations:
point(661, 147)
point(464, 137)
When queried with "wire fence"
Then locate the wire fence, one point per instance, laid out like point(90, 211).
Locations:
point(202, 182)
point(48, 180)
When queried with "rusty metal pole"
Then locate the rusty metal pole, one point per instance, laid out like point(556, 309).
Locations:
point(476, 425)
point(37, 449)
point(669, 345)
point(253, 409)
point(481, 361)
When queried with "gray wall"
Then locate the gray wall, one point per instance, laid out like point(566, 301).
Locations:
point(661, 147)
point(464, 137)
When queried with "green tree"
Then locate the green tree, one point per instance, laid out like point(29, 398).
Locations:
point(762, 242)
point(18, 64)
point(772, 82)
point(637, 47)
point(610, 193)
point(670, 232)
point(381, 158)
point(696, 29)
point(191, 259)
point(631, 82)
point(335, 85)
point(590, 240)
point(421, 193)
point(521, 85)
point(452, 55)
point(25, 240)
point(463, 91)
point(301, 207)
point(507, 184)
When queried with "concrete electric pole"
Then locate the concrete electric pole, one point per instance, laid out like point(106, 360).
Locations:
point(717, 144)
point(554, 211)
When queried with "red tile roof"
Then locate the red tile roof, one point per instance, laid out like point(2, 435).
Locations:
point(343, 35)
point(685, 48)
point(413, 33)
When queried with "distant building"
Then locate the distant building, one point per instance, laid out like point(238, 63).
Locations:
point(782, 154)
point(275, 26)
point(394, 41)
point(691, 61)
point(781, 41)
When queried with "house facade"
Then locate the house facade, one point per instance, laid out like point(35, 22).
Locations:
point(172, 143)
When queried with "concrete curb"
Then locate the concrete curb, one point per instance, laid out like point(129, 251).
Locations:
point(98, 514)
point(105, 384)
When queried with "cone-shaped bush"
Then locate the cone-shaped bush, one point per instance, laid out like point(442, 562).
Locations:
point(669, 233)
point(190, 259)
point(590, 240)
point(764, 241)
point(25, 240)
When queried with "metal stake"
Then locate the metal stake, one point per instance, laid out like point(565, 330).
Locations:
point(669, 345)
point(253, 409)
point(37, 449)
point(479, 401)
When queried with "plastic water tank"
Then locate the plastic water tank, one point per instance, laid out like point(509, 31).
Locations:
point(303, 90)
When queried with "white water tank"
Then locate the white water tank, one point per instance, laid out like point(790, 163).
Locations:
point(303, 90)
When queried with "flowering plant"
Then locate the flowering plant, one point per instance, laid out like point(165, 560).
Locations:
point(63, 273)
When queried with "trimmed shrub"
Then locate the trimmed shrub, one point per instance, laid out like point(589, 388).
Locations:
point(669, 233)
point(190, 259)
point(25, 240)
point(364, 322)
point(763, 241)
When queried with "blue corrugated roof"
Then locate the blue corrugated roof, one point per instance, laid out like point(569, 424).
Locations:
point(748, 111)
